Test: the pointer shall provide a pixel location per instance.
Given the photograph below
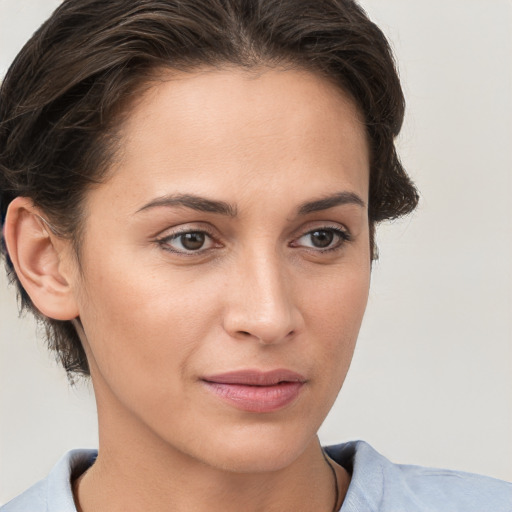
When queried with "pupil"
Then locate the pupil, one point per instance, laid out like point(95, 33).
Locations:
point(322, 238)
point(192, 241)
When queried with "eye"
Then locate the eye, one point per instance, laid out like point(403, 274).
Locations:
point(187, 242)
point(323, 239)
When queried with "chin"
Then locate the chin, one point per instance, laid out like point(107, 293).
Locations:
point(257, 450)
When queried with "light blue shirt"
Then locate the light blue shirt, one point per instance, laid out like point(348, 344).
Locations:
point(377, 485)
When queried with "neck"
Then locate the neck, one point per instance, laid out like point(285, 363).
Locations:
point(142, 480)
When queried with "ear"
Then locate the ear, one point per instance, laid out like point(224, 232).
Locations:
point(41, 259)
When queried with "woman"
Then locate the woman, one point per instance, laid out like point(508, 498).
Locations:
point(189, 197)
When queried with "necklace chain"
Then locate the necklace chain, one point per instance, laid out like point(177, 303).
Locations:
point(336, 488)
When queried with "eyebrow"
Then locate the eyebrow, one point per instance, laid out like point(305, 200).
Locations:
point(201, 204)
point(325, 203)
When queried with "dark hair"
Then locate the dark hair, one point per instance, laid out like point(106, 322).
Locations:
point(62, 97)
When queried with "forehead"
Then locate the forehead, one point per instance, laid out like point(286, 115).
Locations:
point(234, 127)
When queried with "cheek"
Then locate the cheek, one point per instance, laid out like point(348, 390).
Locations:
point(141, 325)
point(334, 312)
point(339, 299)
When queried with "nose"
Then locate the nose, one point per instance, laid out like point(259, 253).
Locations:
point(261, 303)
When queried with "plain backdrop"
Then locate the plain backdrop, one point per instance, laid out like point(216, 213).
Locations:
point(431, 380)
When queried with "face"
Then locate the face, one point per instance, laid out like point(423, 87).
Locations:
point(225, 265)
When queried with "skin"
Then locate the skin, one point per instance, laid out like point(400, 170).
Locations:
point(258, 294)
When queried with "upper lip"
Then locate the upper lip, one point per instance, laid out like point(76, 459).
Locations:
point(254, 377)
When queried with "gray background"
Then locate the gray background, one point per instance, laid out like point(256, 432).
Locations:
point(431, 381)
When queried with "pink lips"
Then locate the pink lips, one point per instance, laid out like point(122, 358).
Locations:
point(256, 391)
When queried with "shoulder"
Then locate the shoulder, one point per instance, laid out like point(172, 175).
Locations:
point(54, 493)
point(378, 485)
point(33, 499)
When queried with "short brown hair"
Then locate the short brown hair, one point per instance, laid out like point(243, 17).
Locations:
point(61, 99)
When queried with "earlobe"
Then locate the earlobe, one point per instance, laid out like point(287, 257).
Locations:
point(37, 255)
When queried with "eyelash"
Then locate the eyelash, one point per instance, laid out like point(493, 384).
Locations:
point(165, 241)
point(342, 235)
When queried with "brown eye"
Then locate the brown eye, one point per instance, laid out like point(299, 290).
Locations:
point(325, 239)
point(187, 242)
point(321, 238)
point(192, 241)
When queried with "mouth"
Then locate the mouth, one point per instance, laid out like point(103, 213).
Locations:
point(256, 391)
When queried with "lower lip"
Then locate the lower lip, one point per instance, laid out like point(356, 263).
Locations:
point(256, 398)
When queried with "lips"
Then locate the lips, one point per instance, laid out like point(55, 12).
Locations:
point(256, 391)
